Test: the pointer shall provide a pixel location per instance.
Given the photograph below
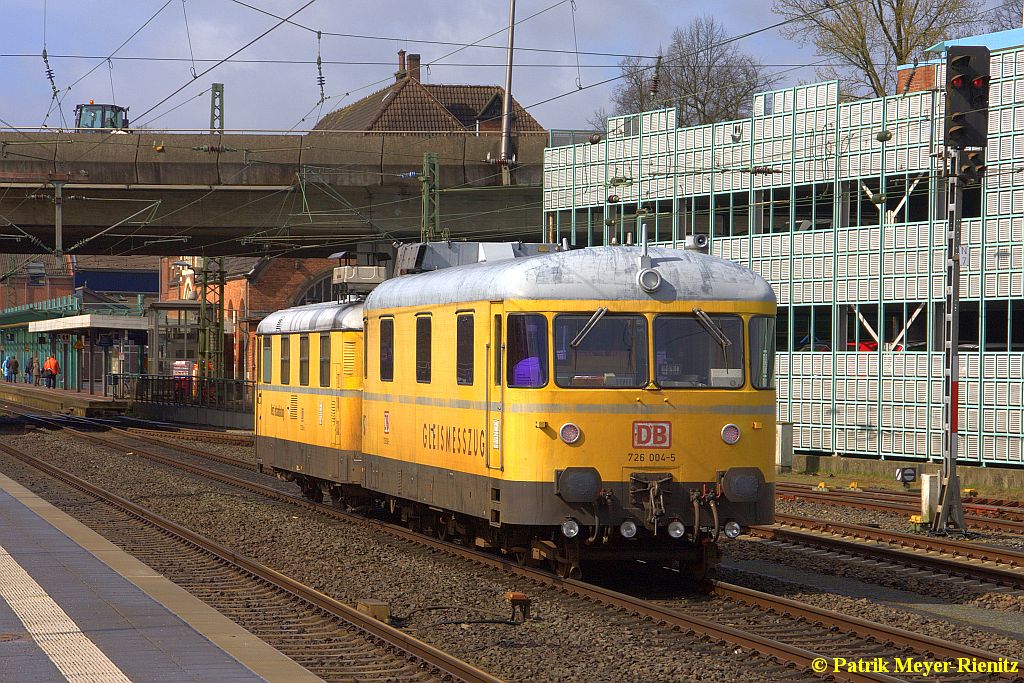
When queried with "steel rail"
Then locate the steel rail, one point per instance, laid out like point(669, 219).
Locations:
point(826, 534)
point(187, 433)
point(772, 649)
point(983, 503)
point(439, 661)
point(850, 624)
point(75, 428)
point(852, 499)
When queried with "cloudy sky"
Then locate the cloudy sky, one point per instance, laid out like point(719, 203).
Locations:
point(281, 96)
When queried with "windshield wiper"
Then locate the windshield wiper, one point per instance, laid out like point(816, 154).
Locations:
point(598, 314)
point(714, 330)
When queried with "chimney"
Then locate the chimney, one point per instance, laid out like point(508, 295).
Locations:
point(401, 73)
point(414, 66)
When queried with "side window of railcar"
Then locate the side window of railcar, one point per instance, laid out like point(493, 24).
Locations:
point(366, 348)
point(387, 349)
point(286, 352)
point(526, 344)
point(611, 353)
point(325, 359)
point(497, 349)
point(698, 351)
point(423, 349)
point(268, 359)
point(762, 352)
point(304, 360)
point(464, 348)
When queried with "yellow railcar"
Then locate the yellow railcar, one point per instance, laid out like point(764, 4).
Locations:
point(598, 403)
point(309, 395)
point(592, 402)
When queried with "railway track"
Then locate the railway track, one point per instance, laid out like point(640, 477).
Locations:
point(164, 430)
point(784, 633)
point(325, 636)
point(186, 434)
point(980, 505)
point(944, 555)
point(91, 430)
point(1004, 517)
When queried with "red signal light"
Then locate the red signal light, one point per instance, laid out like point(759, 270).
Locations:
point(979, 83)
point(959, 81)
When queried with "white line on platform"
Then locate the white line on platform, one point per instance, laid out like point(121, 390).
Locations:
point(71, 651)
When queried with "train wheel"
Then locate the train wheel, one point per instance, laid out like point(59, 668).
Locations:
point(441, 529)
point(568, 570)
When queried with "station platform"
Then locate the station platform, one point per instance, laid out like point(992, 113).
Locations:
point(80, 403)
point(75, 607)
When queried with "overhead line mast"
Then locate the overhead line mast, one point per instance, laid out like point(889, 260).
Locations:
point(506, 105)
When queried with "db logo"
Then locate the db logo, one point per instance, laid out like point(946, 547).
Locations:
point(652, 435)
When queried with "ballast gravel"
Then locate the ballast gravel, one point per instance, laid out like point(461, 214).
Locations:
point(449, 603)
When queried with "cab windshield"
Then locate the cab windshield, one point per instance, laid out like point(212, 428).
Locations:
point(600, 350)
point(698, 351)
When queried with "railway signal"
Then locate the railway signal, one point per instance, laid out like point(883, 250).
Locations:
point(967, 81)
point(966, 129)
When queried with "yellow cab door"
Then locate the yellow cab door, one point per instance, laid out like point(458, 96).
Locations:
point(339, 379)
point(495, 382)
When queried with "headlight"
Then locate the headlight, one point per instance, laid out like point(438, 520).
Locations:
point(628, 529)
point(730, 434)
point(732, 529)
point(676, 529)
point(649, 280)
point(570, 528)
point(570, 433)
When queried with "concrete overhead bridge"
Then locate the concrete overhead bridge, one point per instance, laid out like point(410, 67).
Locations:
point(311, 194)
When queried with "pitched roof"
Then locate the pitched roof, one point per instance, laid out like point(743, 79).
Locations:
point(119, 263)
point(235, 266)
point(409, 105)
point(17, 265)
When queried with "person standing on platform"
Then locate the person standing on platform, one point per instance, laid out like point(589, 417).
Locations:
point(12, 368)
point(28, 370)
point(37, 371)
point(7, 369)
point(51, 368)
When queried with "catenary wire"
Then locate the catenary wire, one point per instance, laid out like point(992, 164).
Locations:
point(222, 61)
point(476, 44)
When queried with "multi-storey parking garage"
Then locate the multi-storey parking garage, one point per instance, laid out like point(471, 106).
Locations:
point(841, 206)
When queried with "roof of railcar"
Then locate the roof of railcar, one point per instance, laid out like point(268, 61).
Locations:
point(594, 273)
point(314, 318)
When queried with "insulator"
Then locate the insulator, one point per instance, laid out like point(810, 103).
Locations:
point(49, 74)
point(320, 80)
point(656, 79)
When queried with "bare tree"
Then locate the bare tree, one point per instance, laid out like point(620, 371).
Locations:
point(704, 77)
point(708, 79)
point(598, 120)
point(868, 39)
point(1008, 14)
